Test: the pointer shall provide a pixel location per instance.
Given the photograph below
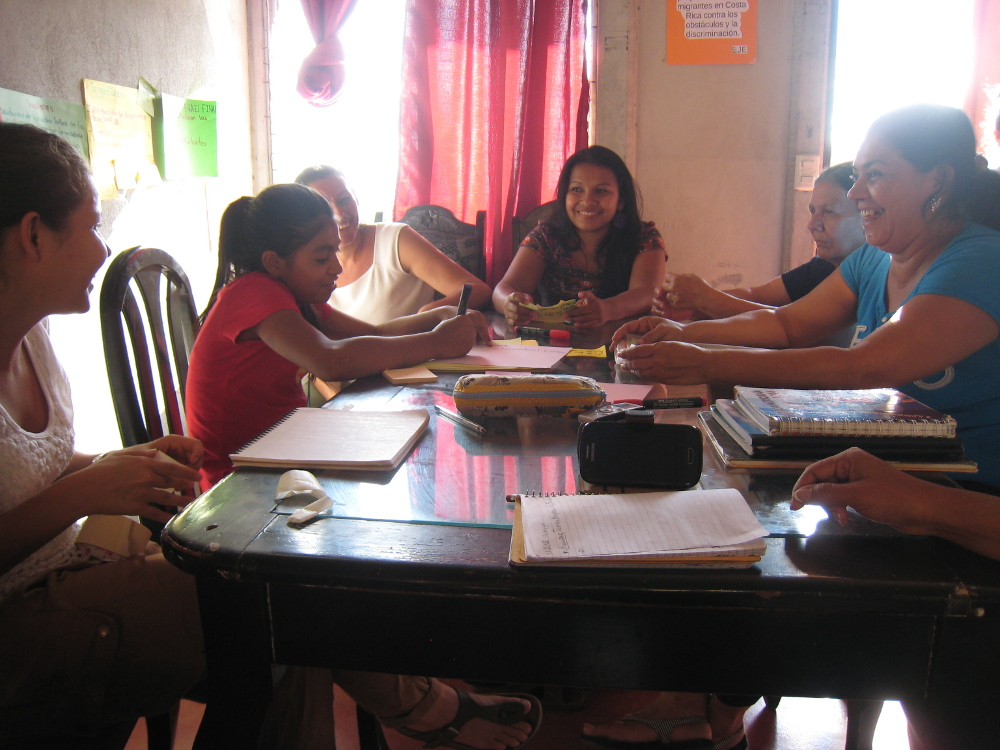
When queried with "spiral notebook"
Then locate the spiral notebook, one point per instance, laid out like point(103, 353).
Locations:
point(876, 412)
point(688, 529)
point(335, 439)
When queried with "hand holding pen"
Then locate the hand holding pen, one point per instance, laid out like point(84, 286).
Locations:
point(478, 319)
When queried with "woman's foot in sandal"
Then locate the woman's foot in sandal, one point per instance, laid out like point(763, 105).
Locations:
point(688, 710)
point(675, 721)
point(477, 722)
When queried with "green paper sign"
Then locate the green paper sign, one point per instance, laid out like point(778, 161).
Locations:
point(185, 138)
point(62, 118)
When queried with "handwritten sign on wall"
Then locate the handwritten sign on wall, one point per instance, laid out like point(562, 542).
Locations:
point(711, 32)
point(62, 118)
point(120, 137)
point(188, 140)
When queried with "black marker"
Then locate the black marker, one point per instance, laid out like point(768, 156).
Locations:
point(680, 402)
point(463, 299)
point(556, 334)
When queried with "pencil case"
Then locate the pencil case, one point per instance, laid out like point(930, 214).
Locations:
point(528, 395)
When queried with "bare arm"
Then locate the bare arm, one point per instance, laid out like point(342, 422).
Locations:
point(124, 482)
point(690, 292)
point(932, 332)
point(420, 258)
point(517, 286)
point(339, 325)
point(828, 308)
point(352, 356)
point(877, 490)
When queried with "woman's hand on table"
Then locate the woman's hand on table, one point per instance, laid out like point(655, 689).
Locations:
point(872, 487)
point(643, 326)
point(514, 311)
point(590, 312)
point(666, 362)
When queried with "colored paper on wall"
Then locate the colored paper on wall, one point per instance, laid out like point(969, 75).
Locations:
point(186, 138)
point(711, 32)
point(120, 138)
point(62, 118)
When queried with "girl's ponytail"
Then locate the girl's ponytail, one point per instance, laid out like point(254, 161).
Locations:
point(281, 219)
point(233, 234)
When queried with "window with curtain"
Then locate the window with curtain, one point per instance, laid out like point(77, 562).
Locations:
point(495, 98)
point(468, 104)
point(928, 51)
point(359, 132)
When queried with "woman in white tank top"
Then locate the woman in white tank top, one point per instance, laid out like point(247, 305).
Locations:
point(389, 269)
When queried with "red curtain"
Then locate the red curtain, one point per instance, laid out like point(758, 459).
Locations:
point(982, 104)
point(322, 74)
point(495, 98)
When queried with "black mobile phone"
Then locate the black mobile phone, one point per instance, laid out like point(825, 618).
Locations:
point(640, 454)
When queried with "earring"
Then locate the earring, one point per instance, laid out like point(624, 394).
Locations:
point(618, 220)
point(935, 204)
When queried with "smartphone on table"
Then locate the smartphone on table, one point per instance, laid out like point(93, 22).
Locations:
point(640, 454)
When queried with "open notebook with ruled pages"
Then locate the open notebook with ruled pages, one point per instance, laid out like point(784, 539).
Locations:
point(693, 528)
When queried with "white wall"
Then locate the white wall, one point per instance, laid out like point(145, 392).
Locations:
point(190, 48)
point(713, 146)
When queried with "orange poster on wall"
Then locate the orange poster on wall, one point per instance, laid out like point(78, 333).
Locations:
point(711, 32)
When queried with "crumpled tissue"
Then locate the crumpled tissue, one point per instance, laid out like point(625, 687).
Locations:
point(299, 482)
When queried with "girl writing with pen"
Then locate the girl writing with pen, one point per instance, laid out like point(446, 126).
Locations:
point(267, 324)
point(595, 248)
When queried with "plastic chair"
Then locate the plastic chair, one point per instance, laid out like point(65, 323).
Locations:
point(461, 242)
point(521, 227)
point(167, 320)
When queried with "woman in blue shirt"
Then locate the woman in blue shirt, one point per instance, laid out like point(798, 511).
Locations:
point(921, 294)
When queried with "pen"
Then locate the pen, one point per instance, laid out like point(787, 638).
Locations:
point(463, 298)
point(460, 420)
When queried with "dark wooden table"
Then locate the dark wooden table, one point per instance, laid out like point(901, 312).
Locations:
point(856, 612)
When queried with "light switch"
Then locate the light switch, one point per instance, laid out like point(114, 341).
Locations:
point(806, 171)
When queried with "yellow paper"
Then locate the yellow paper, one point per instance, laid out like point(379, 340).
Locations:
point(601, 352)
point(120, 138)
point(553, 313)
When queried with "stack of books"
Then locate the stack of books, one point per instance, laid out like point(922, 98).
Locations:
point(689, 529)
point(774, 428)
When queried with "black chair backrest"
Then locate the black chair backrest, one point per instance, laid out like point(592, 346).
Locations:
point(461, 242)
point(521, 227)
point(157, 407)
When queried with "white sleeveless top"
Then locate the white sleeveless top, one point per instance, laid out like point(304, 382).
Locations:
point(30, 462)
point(385, 291)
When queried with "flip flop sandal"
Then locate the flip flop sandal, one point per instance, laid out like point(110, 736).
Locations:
point(503, 714)
point(664, 728)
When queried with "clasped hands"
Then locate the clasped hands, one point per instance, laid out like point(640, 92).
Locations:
point(590, 312)
point(128, 482)
point(661, 355)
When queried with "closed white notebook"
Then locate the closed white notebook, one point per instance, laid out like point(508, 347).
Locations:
point(336, 439)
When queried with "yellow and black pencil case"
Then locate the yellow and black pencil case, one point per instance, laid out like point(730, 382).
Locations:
point(528, 395)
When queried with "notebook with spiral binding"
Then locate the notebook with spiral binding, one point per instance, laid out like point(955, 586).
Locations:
point(335, 439)
point(688, 529)
point(877, 412)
